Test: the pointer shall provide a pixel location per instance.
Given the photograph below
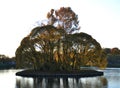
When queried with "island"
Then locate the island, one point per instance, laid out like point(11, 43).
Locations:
point(59, 74)
point(58, 49)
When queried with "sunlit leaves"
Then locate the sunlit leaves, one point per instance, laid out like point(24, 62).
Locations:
point(48, 45)
point(83, 50)
point(64, 18)
point(56, 46)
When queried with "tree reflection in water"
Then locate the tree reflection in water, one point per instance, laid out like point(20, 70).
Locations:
point(94, 82)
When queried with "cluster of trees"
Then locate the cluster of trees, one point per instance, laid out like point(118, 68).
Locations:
point(113, 60)
point(113, 56)
point(57, 46)
point(7, 62)
point(112, 51)
point(4, 58)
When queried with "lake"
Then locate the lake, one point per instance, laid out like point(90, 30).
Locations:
point(111, 79)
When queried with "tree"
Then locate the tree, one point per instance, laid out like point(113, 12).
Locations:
point(64, 18)
point(80, 49)
point(48, 47)
point(38, 48)
point(115, 51)
point(107, 50)
point(55, 45)
point(24, 54)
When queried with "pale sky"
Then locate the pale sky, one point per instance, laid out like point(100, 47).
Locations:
point(99, 18)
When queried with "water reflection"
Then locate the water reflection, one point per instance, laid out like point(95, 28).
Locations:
point(24, 82)
point(113, 77)
point(93, 82)
point(96, 82)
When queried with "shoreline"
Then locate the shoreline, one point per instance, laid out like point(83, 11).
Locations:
point(59, 74)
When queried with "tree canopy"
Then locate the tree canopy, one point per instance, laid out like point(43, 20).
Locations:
point(63, 18)
point(55, 47)
point(48, 47)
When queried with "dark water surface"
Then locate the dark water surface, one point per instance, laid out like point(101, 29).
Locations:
point(111, 79)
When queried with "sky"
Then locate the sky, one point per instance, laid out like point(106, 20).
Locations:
point(98, 18)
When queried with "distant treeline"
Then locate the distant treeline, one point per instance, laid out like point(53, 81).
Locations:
point(112, 51)
point(113, 60)
point(7, 62)
point(113, 57)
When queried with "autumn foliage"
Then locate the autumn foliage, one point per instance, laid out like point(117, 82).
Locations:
point(56, 46)
point(64, 18)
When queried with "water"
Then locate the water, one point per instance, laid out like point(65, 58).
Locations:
point(111, 79)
